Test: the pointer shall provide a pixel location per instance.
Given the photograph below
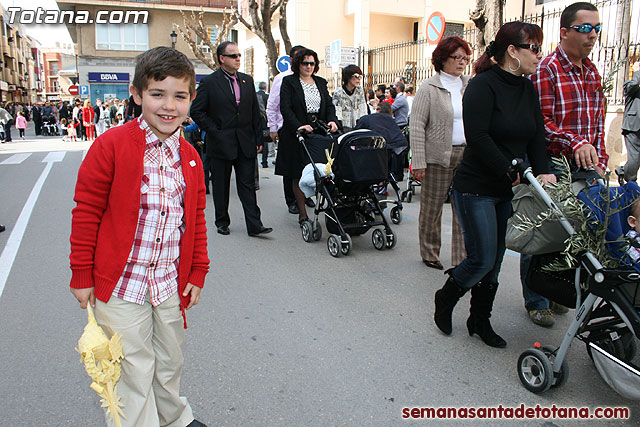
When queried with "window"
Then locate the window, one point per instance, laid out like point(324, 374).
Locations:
point(248, 61)
point(213, 33)
point(122, 36)
point(53, 68)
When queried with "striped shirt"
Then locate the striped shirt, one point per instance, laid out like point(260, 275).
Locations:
point(572, 103)
point(152, 265)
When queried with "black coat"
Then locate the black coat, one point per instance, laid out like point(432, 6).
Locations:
point(229, 126)
point(294, 114)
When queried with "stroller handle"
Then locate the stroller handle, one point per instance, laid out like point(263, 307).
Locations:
point(590, 262)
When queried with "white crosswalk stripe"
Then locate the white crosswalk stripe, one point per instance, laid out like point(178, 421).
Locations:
point(16, 159)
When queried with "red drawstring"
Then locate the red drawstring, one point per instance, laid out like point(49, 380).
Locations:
point(184, 315)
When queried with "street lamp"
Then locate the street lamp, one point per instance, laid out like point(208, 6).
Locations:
point(174, 38)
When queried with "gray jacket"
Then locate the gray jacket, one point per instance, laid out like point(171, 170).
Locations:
point(631, 121)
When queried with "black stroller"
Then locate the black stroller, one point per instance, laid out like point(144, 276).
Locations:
point(606, 300)
point(49, 126)
point(346, 196)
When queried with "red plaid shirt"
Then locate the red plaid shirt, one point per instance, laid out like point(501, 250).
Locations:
point(152, 265)
point(572, 105)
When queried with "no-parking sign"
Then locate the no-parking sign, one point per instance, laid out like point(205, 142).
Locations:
point(435, 27)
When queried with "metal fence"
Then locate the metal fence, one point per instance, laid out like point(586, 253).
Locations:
point(612, 54)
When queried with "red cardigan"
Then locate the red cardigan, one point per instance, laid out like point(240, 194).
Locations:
point(105, 218)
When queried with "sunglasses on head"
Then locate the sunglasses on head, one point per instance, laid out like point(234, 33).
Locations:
point(310, 64)
point(585, 28)
point(232, 55)
point(533, 47)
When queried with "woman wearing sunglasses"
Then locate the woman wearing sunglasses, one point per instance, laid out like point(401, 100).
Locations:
point(437, 144)
point(304, 99)
point(502, 121)
point(349, 99)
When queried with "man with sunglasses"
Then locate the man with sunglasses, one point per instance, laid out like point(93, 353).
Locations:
point(226, 108)
point(572, 104)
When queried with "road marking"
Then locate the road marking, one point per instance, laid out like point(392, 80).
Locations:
point(16, 159)
point(84, 154)
point(13, 243)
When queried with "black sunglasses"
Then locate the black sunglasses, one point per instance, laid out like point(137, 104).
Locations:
point(232, 55)
point(308, 63)
point(533, 47)
point(585, 28)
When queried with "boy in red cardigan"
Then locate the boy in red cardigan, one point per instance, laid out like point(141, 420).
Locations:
point(139, 242)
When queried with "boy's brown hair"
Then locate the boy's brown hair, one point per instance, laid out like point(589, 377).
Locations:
point(159, 63)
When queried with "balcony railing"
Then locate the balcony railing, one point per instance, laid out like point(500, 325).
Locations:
point(204, 3)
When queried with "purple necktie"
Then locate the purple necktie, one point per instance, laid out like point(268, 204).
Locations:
point(236, 88)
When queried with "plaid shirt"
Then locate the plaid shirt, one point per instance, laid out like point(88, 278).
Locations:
point(153, 261)
point(572, 104)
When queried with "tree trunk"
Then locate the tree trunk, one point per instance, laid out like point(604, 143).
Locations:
point(623, 27)
point(282, 22)
point(487, 17)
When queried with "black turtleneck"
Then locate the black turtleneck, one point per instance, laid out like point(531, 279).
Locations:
point(502, 121)
point(347, 91)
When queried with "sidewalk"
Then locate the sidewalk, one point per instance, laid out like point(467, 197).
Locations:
point(33, 143)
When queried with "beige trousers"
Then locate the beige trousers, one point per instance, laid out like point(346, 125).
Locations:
point(152, 339)
point(433, 194)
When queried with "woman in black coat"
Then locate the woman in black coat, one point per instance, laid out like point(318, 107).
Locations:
point(303, 98)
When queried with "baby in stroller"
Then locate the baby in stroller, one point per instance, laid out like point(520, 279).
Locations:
point(597, 275)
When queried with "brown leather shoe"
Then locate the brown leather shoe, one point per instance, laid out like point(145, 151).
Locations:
point(433, 264)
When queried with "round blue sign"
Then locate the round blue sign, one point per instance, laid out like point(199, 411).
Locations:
point(284, 63)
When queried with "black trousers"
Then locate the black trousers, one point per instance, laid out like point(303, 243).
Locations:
point(245, 183)
point(287, 185)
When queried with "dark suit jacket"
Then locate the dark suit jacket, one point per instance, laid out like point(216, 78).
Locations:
point(631, 121)
point(231, 128)
point(386, 126)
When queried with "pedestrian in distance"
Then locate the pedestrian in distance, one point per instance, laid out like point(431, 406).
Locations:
point(502, 121)
point(139, 240)
point(88, 117)
point(349, 98)
point(437, 145)
point(304, 98)
point(6, 120)
point(21, 124)
point(226, 108)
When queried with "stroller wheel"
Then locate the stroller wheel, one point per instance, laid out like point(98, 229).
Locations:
point(535, 371)
point(317, 233)
point(564, 368)
point(396, 215)
point(621, 345)
point(345, 246)
point(334, 245)
point(391, 240)
point(403, 196)
point(409, 197)
point(307, 231)
point(378, 239)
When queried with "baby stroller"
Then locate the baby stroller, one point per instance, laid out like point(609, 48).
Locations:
point(49, 126)
point(347, 196)
point(412, 183)
point(606, 299)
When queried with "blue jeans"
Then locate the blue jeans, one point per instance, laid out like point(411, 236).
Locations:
point(532, 300)
point(484, 224)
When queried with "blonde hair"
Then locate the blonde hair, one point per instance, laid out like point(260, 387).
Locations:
point(87, 103)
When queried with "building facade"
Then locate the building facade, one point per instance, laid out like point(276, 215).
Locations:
point(106, 52)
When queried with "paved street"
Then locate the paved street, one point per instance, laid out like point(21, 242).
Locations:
point(284, 335)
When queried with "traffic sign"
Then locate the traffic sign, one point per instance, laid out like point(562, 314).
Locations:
point(435, 27)
point(335, 52)
point(74, 89)
point(283, 63)
point(84, 90)
point(348, 55)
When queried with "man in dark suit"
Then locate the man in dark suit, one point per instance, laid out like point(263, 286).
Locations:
point(226, 108)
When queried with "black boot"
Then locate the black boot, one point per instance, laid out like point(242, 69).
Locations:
point(482, 296)
point(446, 299)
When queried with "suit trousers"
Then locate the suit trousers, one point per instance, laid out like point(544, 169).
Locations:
point(632, 141)
point(245, 183)
point(433, 193)
point(152, 340)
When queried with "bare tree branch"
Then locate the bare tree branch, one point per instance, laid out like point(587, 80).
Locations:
point(282, 22)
